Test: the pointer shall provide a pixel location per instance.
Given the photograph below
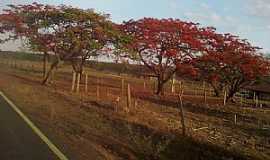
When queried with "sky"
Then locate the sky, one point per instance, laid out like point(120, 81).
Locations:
point(249, 19)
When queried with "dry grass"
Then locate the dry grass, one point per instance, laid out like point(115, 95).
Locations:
point(86, 128)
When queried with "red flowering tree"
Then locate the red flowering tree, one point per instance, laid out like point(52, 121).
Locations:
point(25, 22)
point(81, 34)
point(207, 70)
point(72, 34)
point(162, 45)
point(231, 63)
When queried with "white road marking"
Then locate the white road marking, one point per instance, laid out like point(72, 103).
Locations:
point(45, 139)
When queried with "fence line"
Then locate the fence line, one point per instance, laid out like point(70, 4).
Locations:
point(191, 88)
point(126, 90)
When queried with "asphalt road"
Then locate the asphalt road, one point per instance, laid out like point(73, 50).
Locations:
point(17, 139)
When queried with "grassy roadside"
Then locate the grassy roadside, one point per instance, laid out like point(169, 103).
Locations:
point(37, 102)
point(93, 130)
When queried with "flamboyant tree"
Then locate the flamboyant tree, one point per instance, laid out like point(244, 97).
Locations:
point(26, 22)
point(162, 45)
point(71, 34)
point(81, 34)
point(230, 63)
point(213, 43)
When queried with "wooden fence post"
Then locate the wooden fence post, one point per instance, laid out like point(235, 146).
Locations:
point(135, 103)
point(241, 100)
point(257, 101)
point(123, 86)
point(52, 76)
point(73, 81)
point(78, 82)
point(128, 98)
point(204, 91)
point(172, 84)
point(254, 97)
point(180, 86)
point(180, 105)
point(225, 97)
point(205, 96)
point(235, 119)
point(86, 82)
point(144, 84)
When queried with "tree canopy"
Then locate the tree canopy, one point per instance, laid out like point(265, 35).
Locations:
point(72, 34)
point(163, 46)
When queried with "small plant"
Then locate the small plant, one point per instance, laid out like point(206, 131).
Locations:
point(150, 145)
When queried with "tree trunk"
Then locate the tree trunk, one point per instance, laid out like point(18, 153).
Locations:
point(160, 87)
point(162, 79)
point(217, 92)
point(217, 89)
point(231, 95)
point(180, 105)
point(78, 67)
point(49, 73)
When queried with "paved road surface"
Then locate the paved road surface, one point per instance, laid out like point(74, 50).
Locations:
point(17, 139)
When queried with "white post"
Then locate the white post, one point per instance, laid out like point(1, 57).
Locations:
point(78, 83)
point(144, 85)
point(128, 98)
point(241, 100)
point(225, 97)
point(123, 87)
point(86, 82)
point(73, 81)
point(257, 101)
point(172, 84)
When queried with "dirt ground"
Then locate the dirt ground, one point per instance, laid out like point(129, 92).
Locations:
point(86, 128)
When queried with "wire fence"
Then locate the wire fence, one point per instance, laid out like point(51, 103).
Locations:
point(126, 93)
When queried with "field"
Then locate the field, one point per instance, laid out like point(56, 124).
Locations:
point(96, 121)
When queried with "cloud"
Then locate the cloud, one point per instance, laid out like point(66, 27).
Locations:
point(205, 6)
point(206, 15)
point(172, 4)
point(259, 8)
point(199, 17)
point(215, 17)
point(6, 2)
point(233, 23)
